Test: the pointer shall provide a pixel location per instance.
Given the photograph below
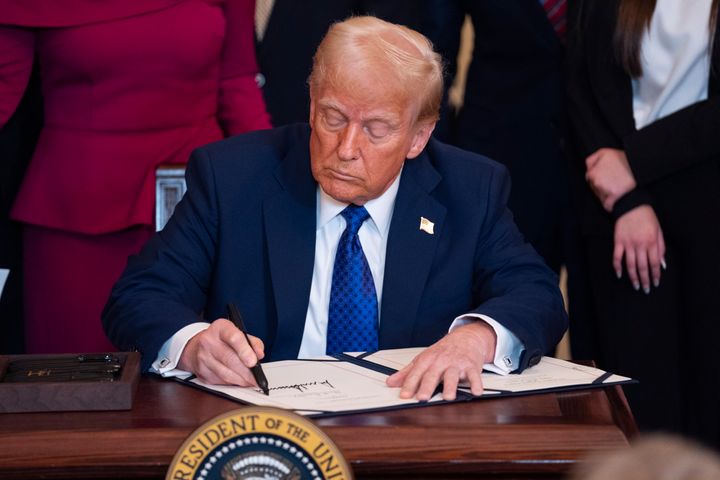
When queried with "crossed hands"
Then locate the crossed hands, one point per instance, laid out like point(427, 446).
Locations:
point(638, 235)
point(609, 175)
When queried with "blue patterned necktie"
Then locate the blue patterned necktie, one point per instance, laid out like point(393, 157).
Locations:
point(353, 312)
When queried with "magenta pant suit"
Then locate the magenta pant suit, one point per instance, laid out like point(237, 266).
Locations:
point(127, 85)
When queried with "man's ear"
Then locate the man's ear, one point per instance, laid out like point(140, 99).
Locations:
point(421, 138)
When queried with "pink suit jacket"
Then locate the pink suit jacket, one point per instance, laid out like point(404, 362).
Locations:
point(127, 86)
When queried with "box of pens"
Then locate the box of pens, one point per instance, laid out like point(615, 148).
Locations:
point(68, 382)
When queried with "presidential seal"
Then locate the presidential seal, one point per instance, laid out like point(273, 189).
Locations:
point(258, 443)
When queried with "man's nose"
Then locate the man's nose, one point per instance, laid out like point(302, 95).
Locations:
point(349, 146)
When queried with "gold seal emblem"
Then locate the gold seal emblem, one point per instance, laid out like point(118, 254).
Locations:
point(260, 443)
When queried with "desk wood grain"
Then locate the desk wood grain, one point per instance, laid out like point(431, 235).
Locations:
point(539, 436)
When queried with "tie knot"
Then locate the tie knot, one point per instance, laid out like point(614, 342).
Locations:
point(354, 216)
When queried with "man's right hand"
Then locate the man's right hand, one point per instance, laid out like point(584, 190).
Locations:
point(220, 355)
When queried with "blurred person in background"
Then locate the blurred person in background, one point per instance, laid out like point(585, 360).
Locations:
point(127, 86)
point(512, 103)
point(289, 31)
point(654, 457)
point(17, 141)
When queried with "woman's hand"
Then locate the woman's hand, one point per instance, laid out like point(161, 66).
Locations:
point(639, 238)
point(609, 175)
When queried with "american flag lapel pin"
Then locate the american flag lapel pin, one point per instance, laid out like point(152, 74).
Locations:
point(427, 226)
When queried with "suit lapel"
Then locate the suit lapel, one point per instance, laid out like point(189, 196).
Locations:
point(290, 219)
point(410, 251)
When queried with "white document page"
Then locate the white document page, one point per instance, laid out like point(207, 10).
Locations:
point(395, 358)
point(548, 373)
point(331, 386)
point(318, 387)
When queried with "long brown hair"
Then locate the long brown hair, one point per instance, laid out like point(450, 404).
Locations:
point(633, 19)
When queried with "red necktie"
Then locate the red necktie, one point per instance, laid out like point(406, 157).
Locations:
point(556, 11)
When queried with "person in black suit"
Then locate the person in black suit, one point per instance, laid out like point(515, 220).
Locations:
point(644, 110)
point(286, 45)
point(512, 106)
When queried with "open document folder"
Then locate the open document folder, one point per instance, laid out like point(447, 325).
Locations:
point(355, 382)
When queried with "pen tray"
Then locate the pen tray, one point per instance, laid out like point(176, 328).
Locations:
point(68, 382)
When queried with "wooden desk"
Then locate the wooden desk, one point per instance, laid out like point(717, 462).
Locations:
point(538, 436)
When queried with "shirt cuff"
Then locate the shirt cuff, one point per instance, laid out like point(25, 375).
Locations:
point(508, 349)
point(169, 354)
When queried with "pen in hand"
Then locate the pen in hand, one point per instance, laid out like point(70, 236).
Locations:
point(257, 370)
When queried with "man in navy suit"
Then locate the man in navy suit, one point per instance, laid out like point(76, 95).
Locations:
point(262, 218)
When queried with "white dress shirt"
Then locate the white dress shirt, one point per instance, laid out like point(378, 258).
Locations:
point(373, 236)
point(675, 59)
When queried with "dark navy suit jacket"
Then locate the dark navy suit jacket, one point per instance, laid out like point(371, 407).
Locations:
point(245, 233)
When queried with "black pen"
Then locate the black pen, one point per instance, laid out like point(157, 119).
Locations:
point(257, 370)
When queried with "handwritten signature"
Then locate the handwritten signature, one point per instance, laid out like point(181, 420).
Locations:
point(302, 387)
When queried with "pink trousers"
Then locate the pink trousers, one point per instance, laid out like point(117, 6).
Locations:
point(67, 280)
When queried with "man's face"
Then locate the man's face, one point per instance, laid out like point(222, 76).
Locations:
point(360, 140)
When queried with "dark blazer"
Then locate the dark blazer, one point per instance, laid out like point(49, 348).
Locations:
point(245, 232)
point(676, 163)
point(674, 159)
point(294, 31)
point(512, 104)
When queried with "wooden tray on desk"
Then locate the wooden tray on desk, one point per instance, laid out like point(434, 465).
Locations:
point(51, 396)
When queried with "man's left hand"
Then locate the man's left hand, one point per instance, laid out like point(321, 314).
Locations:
point(459, 356)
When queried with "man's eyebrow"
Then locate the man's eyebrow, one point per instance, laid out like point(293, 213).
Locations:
point(330, 104)
point(389, 118)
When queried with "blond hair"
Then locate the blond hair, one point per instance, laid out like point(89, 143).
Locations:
point(399, 57)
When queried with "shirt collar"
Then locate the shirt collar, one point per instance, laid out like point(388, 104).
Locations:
point(380, 209)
